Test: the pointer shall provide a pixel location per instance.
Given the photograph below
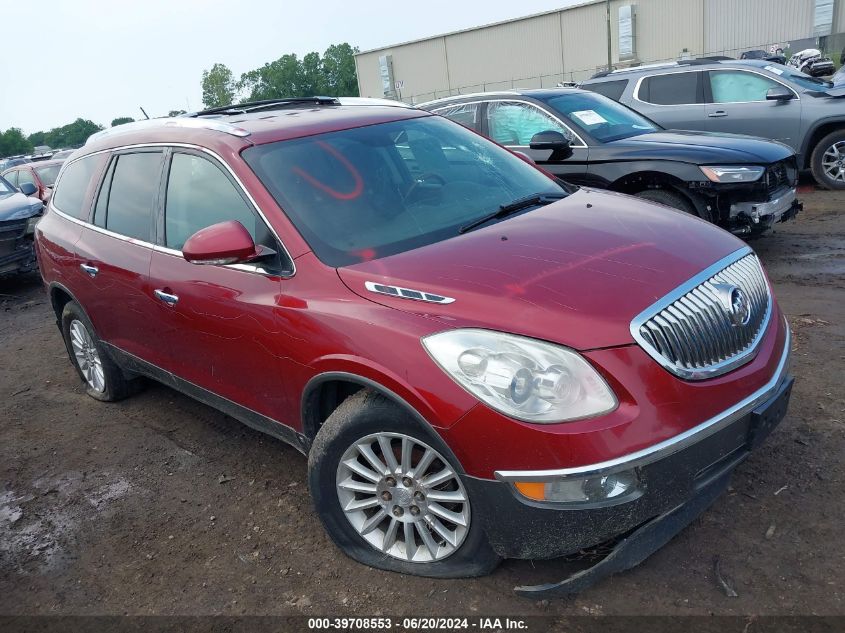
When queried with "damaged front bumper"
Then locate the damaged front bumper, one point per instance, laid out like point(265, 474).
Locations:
point(752, 218)
point(678, 480)
point(17, 248)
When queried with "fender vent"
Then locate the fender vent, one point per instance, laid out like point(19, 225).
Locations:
point(406, 293)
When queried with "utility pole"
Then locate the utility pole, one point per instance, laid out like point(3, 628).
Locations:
point(609, 48)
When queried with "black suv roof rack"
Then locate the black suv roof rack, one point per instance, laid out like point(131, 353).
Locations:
point(266, 104)
point(681, 62)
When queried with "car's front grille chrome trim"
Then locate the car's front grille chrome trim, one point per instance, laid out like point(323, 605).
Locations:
point(696, 333)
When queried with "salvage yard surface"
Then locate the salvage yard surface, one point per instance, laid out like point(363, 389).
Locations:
point(161, 505)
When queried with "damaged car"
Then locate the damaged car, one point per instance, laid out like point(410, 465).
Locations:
point(743, 184)
point(477, 361)
point(18, 215)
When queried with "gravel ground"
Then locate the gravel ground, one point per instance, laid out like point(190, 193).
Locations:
point(160, 505)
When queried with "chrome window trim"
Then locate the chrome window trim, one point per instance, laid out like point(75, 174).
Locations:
point(669, 446)
point(713, 370)
point(523, 101)
point(157, 247)
point(635, 95)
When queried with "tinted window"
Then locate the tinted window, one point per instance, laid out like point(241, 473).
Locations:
point(673, 89)
point(69, 196)
point(133, 191)
point(373, 191)
point(514, 123)
point(198, 195)
point(103, 197)
point(466, 114)
point(735, 86)
point(610, 89)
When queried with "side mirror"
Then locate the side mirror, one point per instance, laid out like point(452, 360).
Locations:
point(779, 94)
point(28, 189)
point(223, 243)
point(553, 140)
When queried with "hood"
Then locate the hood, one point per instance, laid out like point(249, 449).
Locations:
point(575, 272)
point(701, 148)
point(16, 206)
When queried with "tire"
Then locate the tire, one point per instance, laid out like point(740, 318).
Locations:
point(102, 378)
point(668, 198)
point(826, 149)
point(360, 420)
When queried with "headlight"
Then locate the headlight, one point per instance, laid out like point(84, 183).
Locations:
point(733, 174)
point(521, 377)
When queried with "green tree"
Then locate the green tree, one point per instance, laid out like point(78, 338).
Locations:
point(37, 138)
point(339, 70)
point(276, 80)
point(312, 79)
point(178, 112)
point(218, 86)
point(73, 134)
point(12, 142)
point(121, 120)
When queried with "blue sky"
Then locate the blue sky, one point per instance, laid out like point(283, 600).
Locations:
point(102, 59)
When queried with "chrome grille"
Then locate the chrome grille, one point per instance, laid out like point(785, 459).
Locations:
point(697, 332)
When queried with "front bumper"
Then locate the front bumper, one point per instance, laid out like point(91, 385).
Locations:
point(749, 218)
point(17, 248)
point(674, 474)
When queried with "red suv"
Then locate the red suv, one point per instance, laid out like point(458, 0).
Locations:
point(478, 361)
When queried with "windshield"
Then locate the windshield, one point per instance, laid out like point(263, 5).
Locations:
point(47, 174)
point(374, 191)
point(799, 78)
point(5, 187)
point(602, 118)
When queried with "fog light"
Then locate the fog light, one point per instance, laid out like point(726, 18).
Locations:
point(615, 487)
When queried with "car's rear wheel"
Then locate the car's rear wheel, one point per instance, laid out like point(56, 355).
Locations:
point(828, 161)
point(103, 379)
point(390, 494)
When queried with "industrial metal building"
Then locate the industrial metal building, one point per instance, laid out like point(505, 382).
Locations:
point(570, 44)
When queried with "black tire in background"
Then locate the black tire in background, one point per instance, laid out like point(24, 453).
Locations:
point(670, 199)
point(361, 415)
point(115, 385)
point(817, 156)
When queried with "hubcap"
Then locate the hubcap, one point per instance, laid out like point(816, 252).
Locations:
point(403, 497)
point(833, 161)
point(86, 356)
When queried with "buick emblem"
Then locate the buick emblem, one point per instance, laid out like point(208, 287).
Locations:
point(740, 310)
point(735, 302)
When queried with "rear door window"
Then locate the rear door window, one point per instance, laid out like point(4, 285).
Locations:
point(611, 89)
point(132, 196)
point(672, 89)
point(71, 191)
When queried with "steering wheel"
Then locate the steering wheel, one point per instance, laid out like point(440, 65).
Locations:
point(429, 175)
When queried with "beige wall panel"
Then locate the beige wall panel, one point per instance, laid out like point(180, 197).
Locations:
point(420, 65)
point(732, 26)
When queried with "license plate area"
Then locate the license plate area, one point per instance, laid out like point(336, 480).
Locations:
point(769, 414)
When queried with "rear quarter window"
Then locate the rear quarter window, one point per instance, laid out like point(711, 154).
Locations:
point(610, 89)
point(72, 192)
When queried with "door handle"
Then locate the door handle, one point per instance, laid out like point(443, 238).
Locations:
point(91, 270)
point(168, 298)
point(717, 114)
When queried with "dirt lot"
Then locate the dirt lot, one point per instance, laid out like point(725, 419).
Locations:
point(160, 505)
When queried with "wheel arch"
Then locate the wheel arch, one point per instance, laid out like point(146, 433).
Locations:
point(326, 391)
point(638, 181)
point(60, 296)
point(816, 134)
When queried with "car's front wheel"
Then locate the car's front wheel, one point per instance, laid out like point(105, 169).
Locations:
point(390, 495)
point(828, 161)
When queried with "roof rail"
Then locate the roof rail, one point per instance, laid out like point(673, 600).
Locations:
point(180, 122)
point(265, 104)
point(681, 62)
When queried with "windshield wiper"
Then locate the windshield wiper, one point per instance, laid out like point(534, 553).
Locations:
point(534, 200)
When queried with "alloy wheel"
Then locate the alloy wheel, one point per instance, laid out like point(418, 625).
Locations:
point(403, 497)
point(86, 355)
point(833, 162)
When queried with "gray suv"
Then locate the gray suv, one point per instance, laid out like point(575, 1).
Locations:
point(742, 97)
